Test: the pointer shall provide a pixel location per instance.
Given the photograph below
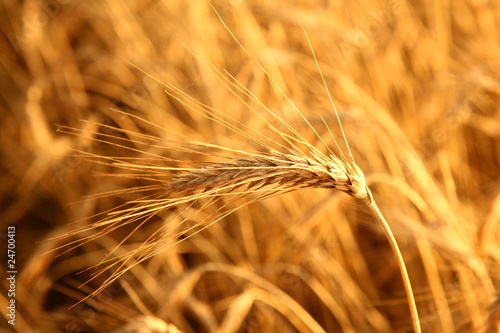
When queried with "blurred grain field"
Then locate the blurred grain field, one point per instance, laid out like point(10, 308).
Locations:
point(416, 85)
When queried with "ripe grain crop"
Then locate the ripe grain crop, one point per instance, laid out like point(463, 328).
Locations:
point(212, 187)
point(267, 174)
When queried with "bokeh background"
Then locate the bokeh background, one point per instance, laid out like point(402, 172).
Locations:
point(417, 87)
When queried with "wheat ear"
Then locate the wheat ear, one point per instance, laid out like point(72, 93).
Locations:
point(257, 171)
point(264, 174)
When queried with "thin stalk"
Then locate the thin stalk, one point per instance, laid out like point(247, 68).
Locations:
point(402, 267)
